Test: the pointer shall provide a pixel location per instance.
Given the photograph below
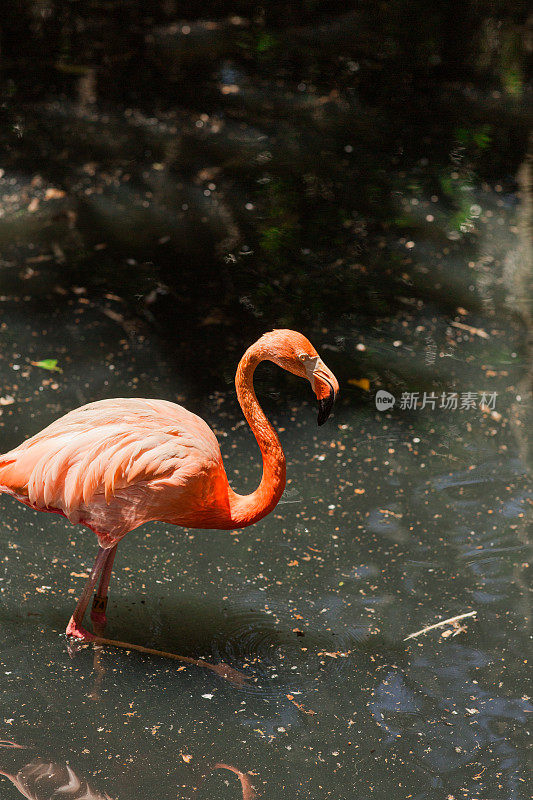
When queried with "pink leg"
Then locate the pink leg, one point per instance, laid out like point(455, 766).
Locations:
point(100, 598)
point(74, 628)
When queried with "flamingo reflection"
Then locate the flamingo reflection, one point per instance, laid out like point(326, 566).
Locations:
point(248, 792)
point(38, 778)
point(41, 779)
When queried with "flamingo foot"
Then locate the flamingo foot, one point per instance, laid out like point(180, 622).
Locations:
point(76, 631)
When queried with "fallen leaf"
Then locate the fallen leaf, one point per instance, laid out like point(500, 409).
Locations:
point(48, 363)
point(72, 69)
point(362, 383)
point(495, 415)
point(301, 708)
point(53, 194)
point(334, 655)
point(474, 331)
point(38, 259)
point(114, 315)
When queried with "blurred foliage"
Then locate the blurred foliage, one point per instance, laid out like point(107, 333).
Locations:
point(317, 123)
point(479, 137)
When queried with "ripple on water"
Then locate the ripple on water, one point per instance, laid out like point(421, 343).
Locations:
point(281, 659)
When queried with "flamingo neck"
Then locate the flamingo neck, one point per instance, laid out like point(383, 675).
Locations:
point(247, 509)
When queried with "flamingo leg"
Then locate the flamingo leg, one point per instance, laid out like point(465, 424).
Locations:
point(75, 628)
point(100, 598)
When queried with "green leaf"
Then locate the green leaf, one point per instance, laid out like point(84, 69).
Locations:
point(462, 135)
point(265, 42)
point(48, 363)
point(481, 139)
point(447, 185)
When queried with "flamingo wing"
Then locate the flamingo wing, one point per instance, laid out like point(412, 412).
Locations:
point(107, 451)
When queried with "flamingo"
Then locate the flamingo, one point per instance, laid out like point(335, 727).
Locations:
point(113, 465)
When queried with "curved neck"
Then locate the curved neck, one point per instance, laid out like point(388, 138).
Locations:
point(247, 509)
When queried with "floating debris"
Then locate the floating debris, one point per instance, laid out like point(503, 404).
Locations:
point(48, 363)
point(440, 624)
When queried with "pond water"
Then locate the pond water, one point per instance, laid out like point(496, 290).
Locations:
point(164, 201)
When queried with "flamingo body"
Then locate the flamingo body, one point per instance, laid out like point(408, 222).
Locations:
point(115, 464)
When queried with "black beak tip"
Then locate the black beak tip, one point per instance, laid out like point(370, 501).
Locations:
point(325, 404)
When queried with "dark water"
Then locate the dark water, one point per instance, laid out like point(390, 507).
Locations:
point(174, 183)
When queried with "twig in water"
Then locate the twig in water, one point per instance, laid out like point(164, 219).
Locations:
point(440, 624)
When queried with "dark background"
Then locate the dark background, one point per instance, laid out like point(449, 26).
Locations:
point(312, 123)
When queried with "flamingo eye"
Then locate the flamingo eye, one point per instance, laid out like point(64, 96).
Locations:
point(302, 356)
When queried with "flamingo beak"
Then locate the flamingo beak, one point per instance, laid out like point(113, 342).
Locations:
point(326, 388)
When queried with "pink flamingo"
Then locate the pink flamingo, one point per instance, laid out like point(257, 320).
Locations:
point(114, 464)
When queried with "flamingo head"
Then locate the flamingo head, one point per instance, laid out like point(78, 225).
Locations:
point(290, 350)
